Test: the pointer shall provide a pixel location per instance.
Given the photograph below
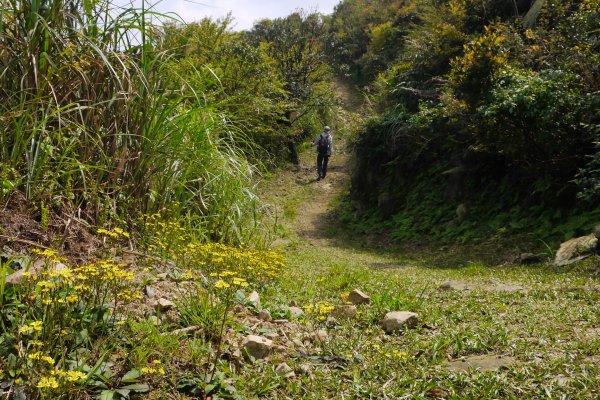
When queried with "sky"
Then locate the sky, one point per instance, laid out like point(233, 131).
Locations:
point(245, 12)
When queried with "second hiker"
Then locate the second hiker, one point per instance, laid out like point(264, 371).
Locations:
point(324, 143)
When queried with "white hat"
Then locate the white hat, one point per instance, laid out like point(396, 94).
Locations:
point(327, 128)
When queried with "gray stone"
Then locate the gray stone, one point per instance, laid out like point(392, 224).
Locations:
point(272, 335)
point(358, 297)
point(254, 298)
point(150, 291)
point(295, 312)
point(345, 311)
point(154, 320)
point(264, 315)
point(398, 320)
point(321, 334)
point(482, 363)
point(17, 277)
point(284, 370)
point(257, 346)
point(454, 285)
point(163, 304)
point(575, 250)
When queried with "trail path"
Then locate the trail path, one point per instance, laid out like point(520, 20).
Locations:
point(306, 203)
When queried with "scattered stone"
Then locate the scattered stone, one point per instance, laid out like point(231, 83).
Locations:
point(398, 320)
point(239, 309)
point(254, 298)
point(482, 363)
point(162, 276)
point(264, 315)
point(305, 369)
point(257, 346)
point(272, 335)
point(182, 331)
point(528, 258)
point(280, 321)
point(150, 291)
point(154, 320)
point(284, 370)
point(331, 322)
point(281, 349)
point(345, 311)
point(575, 250)
point(562, 380)
point(358, 297)
point(298, 343)
point(163, 304)
point(34, 270)
point(592, 360)
point(321, 334)
point(295, 312)
point(454, 285)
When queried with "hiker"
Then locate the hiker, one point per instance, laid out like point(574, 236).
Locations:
point(324, 143)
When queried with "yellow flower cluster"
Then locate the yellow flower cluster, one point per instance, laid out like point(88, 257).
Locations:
point(103, 271)
point(38, 355)
point(69, 376)
point(49, 254)
point(115, 233)
point(48, 382)
point(156, 368)
point(229, 279)
point(321, 309)
point(253, 265)
point(32, 327)
point(51, 382)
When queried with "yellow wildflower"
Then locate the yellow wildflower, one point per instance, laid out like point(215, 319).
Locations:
point(221, 284)
point(48, 382)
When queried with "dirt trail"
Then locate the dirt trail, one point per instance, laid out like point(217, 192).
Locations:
point(309, 202)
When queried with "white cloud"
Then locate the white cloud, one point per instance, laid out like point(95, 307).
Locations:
point(245, 12)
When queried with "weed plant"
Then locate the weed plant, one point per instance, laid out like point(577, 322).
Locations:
point(90, 125)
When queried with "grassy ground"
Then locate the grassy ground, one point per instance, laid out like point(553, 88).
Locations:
point(504, 332)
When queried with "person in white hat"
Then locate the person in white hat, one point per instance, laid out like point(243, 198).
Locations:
point(324, 144)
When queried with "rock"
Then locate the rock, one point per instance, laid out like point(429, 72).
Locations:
point(257, 346)
point(346, 311)
point(17, 277)
point(272, 335)
point(331, 322)
point(358, 297)
point(264, 315)
point(305, 369)
point(321, 334)
point(399, 320)
point(154, 320)
point(295, 312)
point(482, 363)
point(239, 309)
point(528, 258)
point(576, 249)
point(254, 298)
point(150, 291)
point(163, 304)
point(284, 370)
point(162, 276)
point(298, 343)
point(453, 285)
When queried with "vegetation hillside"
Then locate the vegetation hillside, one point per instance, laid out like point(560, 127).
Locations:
point(163, 234)
point(485, 116)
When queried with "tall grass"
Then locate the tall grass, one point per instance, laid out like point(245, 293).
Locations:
point(88, 124)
